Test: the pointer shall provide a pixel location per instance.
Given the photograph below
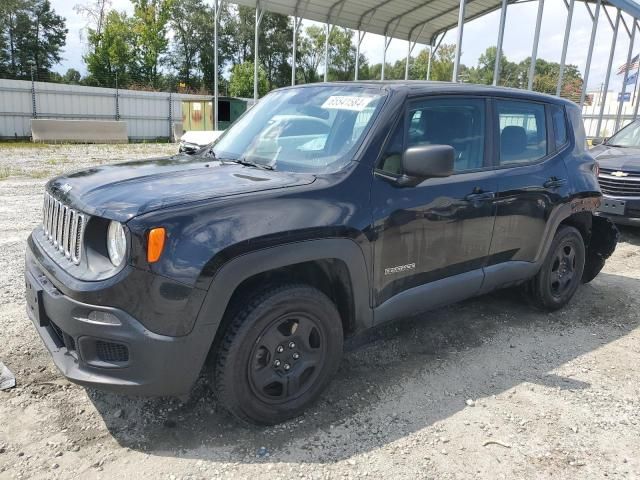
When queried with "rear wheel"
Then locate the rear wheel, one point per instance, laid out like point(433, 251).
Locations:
point(561, 273)
point(278, 354)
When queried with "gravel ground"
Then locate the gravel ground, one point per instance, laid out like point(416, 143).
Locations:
point(484, 389)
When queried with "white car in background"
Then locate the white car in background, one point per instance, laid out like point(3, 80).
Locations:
point(194, 140)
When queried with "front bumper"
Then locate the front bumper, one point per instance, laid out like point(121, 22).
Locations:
point(621, 210)
point(109, 349)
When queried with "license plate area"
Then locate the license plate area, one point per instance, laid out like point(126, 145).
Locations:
point(611, 206)
point(35, 303)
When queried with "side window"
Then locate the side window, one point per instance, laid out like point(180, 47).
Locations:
point(392, 158)
point(559, 125)
point(523, 133)
point(459, 122)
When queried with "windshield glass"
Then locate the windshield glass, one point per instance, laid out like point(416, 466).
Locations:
point(629, 136)
point(312, 129)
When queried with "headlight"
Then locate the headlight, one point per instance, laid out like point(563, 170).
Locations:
point(116, 243)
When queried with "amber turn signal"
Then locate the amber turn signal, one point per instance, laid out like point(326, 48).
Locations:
point(155, 244)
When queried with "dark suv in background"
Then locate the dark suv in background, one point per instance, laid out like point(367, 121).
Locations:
point(265, 250)
point(619, 160)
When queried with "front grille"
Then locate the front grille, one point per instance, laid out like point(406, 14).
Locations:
point(63, 227)
point(61, 338)
point(609, 171)
point(111, 352)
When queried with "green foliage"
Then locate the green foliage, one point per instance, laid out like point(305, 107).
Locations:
point(31, 38)
point(241, 81)
point(189, 19)
point(112, 52)
point(275, 43)
point(150, 25)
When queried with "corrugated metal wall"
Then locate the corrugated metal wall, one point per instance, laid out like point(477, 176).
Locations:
point(146, 113)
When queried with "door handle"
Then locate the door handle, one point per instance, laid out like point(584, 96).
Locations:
point(480, 196)
point(555, 182)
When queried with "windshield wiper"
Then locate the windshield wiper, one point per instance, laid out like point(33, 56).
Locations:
point(248, 163)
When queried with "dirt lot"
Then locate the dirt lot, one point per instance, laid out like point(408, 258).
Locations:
point(484, 389)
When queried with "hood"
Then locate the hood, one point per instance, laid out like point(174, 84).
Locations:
point(122, 191)
point(616, 158)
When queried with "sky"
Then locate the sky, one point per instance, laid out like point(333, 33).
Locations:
point(478, 35)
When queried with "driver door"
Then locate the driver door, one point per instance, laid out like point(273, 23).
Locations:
point(432, 240)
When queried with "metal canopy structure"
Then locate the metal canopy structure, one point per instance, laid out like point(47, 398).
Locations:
point(426, 22)
point(418, 21)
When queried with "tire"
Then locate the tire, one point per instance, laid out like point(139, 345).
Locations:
point(278, 354)
point(561, 273)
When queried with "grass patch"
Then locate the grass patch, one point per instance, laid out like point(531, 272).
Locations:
point(21, 144)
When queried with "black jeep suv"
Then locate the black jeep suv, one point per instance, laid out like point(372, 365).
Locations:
point(324, 211)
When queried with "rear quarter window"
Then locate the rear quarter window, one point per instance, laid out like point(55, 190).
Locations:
point(559, 125)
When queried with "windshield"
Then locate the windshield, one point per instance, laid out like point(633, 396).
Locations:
point(629, 136)
point(311, 129)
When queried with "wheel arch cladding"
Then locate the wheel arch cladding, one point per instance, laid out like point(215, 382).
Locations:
point(336, 267)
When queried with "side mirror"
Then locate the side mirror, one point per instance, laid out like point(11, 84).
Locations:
point(597, 141)
point(425, 161)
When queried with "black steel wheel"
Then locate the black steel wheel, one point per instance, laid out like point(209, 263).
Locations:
point(561, 273)
point(287, 358)
point(278, 353)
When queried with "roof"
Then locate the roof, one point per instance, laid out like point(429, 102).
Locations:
point(425, 87)
point(416, 20)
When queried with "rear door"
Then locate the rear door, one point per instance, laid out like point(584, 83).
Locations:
point(531, 173)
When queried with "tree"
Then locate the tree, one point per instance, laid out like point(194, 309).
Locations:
point(310, 53)
point(241, 81)
point(151, 20)
point(275, 44)
point(32, 37)
point(72, 76)
point(226, 33)
point(95, 11)
point(188, 18)
point(112, 52)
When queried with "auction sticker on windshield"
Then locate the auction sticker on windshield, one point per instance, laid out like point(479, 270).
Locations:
point(347, 102)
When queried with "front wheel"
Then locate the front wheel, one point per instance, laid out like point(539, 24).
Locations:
point(561, 272)
point(278, 353)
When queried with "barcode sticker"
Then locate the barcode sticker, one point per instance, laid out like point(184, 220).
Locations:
point(346, 102)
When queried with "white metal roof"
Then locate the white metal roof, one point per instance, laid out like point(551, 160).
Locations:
point(415, 20)
point(418, 20)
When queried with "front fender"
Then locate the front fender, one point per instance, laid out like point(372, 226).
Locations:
point(232, 273)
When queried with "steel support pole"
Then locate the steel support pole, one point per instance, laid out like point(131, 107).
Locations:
point(256, 46)
point(635, 109)
point(216, 16)
point(565, 45)
point(360, 39)
point(429, 62)
point(592, 41)
point(384, 58)
point(632, 39)
point(406, 64)
point(297, 21)
point(456, 62)
point(326, 54)
point(606, 81)
point(536, 40)
point(496, 67)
